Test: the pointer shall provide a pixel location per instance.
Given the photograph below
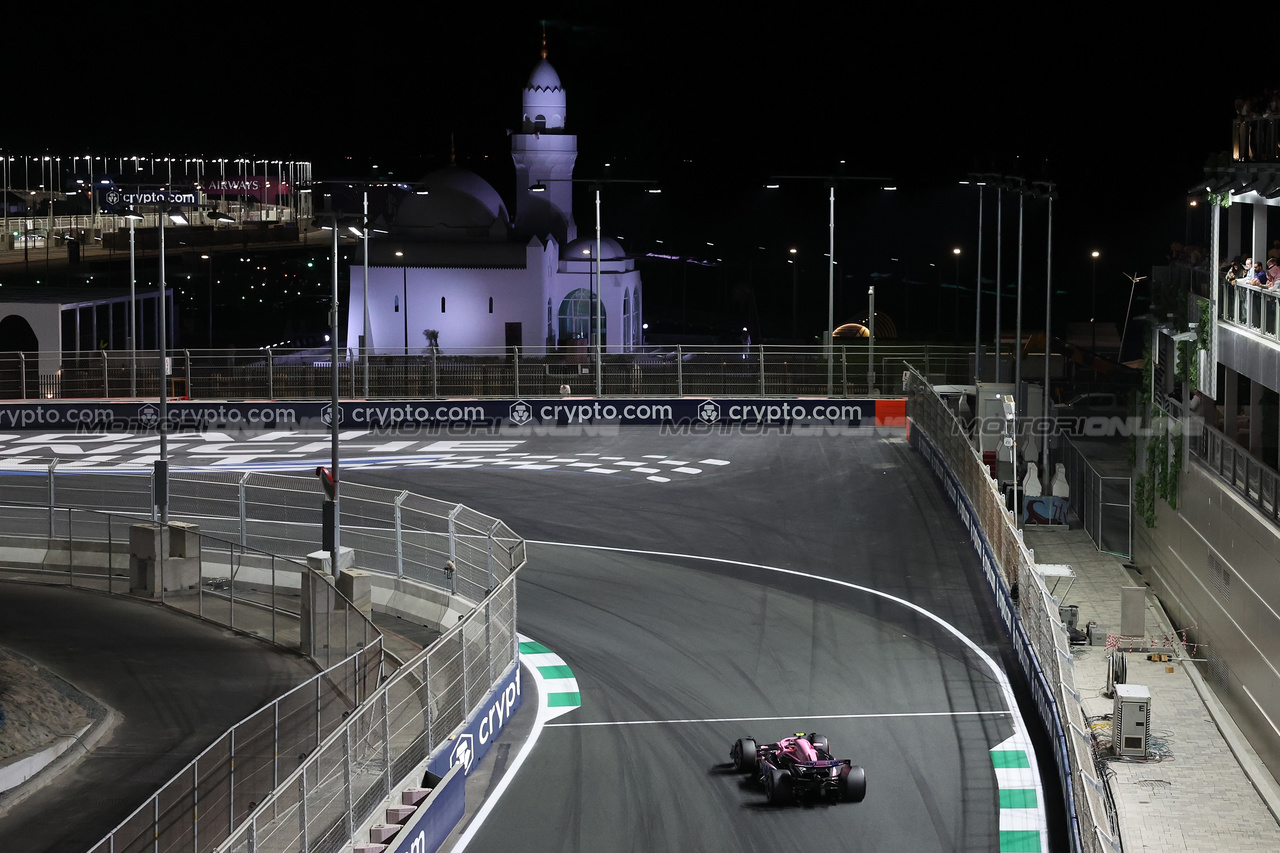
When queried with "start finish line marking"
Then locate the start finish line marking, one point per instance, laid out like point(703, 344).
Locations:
point(784, 719)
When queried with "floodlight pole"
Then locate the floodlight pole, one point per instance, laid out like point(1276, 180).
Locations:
point(831, 291)
point(871, 343)
point(364, 354)
point(1048, 318)
point(334, 412)
point(977, 310)
point(162, 464)
point(599, 299)
point(133, 351)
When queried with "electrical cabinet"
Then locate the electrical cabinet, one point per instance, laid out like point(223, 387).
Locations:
point(1131, 720)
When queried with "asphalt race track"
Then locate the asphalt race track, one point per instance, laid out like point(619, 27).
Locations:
point(176, 684)
point(704, 585)
point(676, 657)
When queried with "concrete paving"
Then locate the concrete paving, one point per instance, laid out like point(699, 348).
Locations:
point(1203, 788)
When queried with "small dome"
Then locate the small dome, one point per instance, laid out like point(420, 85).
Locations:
point(585, 248)
point(543, 76)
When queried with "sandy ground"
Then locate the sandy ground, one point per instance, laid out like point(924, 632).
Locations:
point(38, 707)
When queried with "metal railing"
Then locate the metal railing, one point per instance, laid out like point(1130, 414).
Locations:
point(1255, 308)
point(1038, 628)
point(1104, 504)
point(1252, 479)
point(293, 374)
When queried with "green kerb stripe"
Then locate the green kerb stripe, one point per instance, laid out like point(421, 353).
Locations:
point(1019, 841)
point(564, 700)
point(1006, 758)
point(555, 671)
point(1018, 798)
point(533, 648)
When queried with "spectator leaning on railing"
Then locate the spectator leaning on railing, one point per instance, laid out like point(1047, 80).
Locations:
point(1273, 272)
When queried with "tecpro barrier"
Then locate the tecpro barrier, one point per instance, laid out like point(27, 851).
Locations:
point(447, 414)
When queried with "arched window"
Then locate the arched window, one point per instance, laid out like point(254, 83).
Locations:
point(539, 124)
point(551, 331)
point(441, 304)
point(490, 304)
point(637, 319)
point(626, 320)
point(577, 315)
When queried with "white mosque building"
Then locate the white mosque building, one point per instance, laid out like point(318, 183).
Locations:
point(456, 261)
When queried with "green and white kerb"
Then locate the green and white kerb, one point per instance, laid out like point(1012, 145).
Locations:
point(1022, 819)
point(556, 684)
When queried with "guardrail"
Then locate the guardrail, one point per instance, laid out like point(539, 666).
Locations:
point(292, 374)
point(1030, 611)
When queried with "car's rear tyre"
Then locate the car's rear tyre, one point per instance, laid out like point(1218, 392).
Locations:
point(778, 787)
point(821, 742)
point(853, 784)
point(744, 755)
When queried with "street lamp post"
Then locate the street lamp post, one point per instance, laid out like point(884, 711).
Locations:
point(977, 304)
point(209, 258)
point(871, 341)
point(955, 328)
point(1093, 307)
point(795, 292)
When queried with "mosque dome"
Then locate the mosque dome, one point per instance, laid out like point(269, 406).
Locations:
point(584, 248)
point(543, 77)
point(458, 205)
point(544, 100)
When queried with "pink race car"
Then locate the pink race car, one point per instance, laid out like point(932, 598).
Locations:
point(799, 767)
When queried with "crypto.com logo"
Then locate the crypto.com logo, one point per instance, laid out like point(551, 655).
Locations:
point(709, 411)
point(148, 416)
point(520, 413)
point(326, 415)
point(463, 752)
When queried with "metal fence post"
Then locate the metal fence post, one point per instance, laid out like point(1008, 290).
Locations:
point(244, 524)
point(400, 533)
point(386, 740)
point(22, 374)
point(515, 355)
point(761, 369)
point(453, 548)
point(302, 810)
point(271, 376)
point(489, 562)
point(186, 357)
point(52, 498)
point(106, 386)
point(435, 376)
point(347, 782)
point(679, 370)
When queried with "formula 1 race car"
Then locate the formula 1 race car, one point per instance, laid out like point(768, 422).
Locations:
point(799, 768)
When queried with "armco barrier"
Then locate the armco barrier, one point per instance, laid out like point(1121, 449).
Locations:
point(1031, 618)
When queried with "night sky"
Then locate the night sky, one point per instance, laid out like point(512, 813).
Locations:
point(1119, 110)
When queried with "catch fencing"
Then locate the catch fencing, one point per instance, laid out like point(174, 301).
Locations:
point(300, 774)
point(290, 374)
point(445, 545)
point(1030, 611)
